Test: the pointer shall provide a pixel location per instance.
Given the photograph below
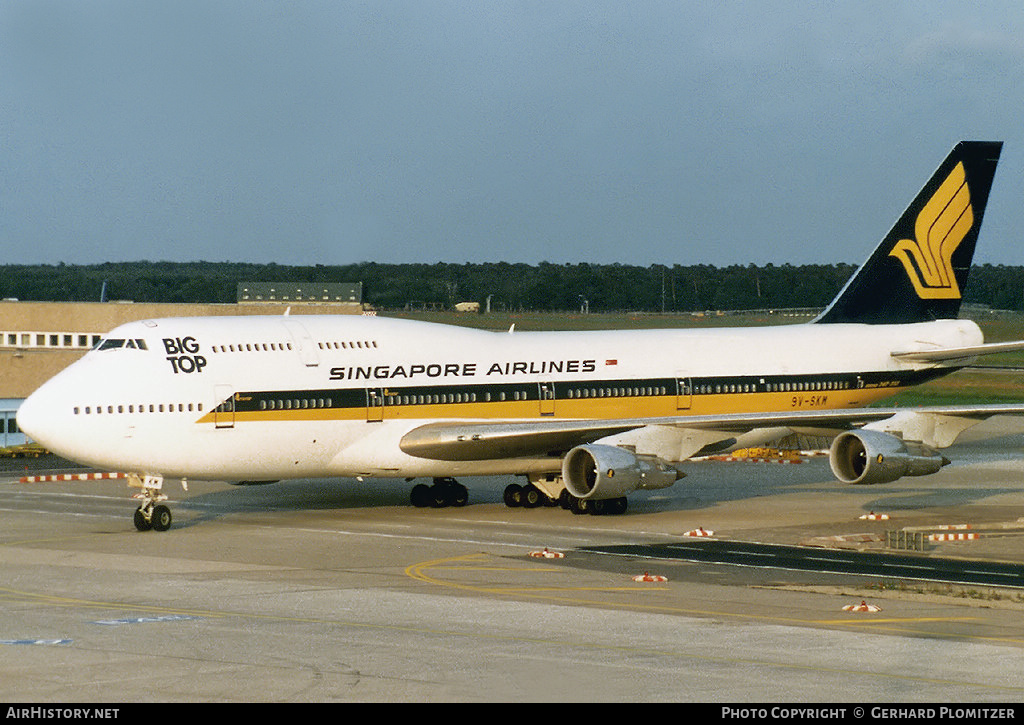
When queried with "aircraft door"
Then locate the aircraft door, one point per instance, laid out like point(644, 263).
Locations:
point(374, 405)
point(547, 398)
point(303, 342)
point(224, 412)
point(684, 393)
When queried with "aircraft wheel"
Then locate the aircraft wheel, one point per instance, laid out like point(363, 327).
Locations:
point(565, 499)
point(617, 506)
point(161, 518)
point(420, 495)
point(580, 506)
point(440, 496)
point(609, 506)
point(460, 495)
point(513, 495)
point(140, 521)
point(438, 499)
point(531, 497)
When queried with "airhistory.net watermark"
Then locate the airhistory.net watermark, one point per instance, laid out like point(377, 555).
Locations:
point(62, 713)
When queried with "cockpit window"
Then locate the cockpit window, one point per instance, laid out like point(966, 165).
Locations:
point(112, 343)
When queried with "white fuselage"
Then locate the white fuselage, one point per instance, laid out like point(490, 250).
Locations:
point(265, 398)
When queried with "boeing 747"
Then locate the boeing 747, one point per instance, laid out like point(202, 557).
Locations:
point(586, 417)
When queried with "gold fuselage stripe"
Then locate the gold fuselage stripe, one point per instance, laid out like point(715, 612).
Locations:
point(606, 400)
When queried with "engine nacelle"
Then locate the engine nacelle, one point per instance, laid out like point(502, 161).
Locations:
point(868, 456)
point(598, 472)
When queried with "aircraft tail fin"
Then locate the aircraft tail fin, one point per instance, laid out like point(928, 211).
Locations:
point(919, 270)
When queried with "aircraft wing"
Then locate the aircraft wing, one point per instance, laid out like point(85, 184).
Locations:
point(476, 441)
point(958, 353)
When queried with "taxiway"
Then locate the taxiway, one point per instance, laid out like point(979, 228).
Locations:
point(340, 590)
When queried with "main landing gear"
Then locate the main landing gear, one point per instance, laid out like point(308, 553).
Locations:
point(545, 490)
point(151, 513)
point(530, 496)
point(443, 492)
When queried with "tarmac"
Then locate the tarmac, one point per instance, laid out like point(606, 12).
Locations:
point(318, 591)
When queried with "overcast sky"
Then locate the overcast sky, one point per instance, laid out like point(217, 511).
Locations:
point(639, 132)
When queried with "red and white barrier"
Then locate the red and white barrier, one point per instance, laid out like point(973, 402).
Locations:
point(953, 537)
point(862, 607)
point(872, 516)
point(699, 531)
point(645, 577)
point(72, 477)
point(744, 459)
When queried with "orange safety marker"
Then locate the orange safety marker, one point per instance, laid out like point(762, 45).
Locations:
point(862, 607)
point(645, 577)
point(547, 554)
point(872, 516)
point(699, 531)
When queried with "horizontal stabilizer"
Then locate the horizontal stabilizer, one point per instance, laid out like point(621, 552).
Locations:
point(958, 353)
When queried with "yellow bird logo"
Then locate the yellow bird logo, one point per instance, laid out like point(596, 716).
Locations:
point(940, 227)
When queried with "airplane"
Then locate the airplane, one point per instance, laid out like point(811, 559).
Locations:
point(586, 417)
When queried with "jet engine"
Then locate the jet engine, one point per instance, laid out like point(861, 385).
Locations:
point(599, 472)
point(867, 456)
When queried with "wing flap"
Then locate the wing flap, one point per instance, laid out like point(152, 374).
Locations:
point(475, 441)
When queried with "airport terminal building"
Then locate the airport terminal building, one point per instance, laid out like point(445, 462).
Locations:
point(39, 339)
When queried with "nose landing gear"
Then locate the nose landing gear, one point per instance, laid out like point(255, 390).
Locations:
point(151, 513)
point(159, 518)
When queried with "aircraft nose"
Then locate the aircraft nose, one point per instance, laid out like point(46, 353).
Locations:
point(49, 418)
point(35, 416)
point(30, 417)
